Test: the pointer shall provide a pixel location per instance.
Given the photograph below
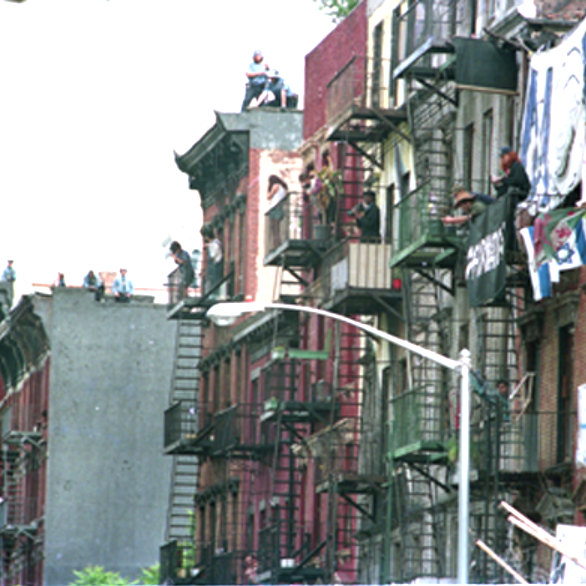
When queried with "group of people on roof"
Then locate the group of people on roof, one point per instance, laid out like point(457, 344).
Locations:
point(265, 86)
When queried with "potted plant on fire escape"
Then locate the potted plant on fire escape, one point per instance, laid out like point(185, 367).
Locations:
point(326, 188)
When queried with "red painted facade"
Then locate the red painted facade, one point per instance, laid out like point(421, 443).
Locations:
point(335, 51)
point(24, 396)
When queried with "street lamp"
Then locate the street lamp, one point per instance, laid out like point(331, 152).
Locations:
point(225, 314)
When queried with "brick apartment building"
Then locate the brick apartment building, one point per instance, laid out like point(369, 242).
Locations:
point(326, 455)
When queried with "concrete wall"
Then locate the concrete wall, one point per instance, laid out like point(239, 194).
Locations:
point(108, 482)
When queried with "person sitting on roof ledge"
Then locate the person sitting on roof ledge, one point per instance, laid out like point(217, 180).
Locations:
point(276, 93)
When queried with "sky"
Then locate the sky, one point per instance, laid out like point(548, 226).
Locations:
point(95, 96)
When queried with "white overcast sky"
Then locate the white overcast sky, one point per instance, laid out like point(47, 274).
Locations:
point(94, 97)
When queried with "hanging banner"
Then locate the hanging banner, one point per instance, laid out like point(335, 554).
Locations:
point(486, 269)
point(552, 133)
point(483, 65)
point(563, 569)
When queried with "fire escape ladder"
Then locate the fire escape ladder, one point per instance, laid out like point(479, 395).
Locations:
point(184, 390)
point(431, 118)
point(288, 283)
point(360, 165)
point(427, 322)
point(420, 538)
point(353, 175)
point(18, 525)
point(345, 485)
point(282, 541)
point(331, 531)
point(419, 431)
point(498, 435)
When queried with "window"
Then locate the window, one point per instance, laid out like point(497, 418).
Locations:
point(202, 530)
point(401, 379)
point(226, 388)
point(213, 527)
point(223, 542)
point(468, 158)
point(250, 545)
point(390, 197)
point(531, 429)
point(205, 397)
point(487, 131)
point(216, 391)
point(464, 336)
point(564, 399)
point(377, 65)
point(395, 56)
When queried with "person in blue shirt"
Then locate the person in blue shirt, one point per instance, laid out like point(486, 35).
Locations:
point(257, 78)
point(182, 258)
point(92, 282)
point(122, 289)
point(8, 277)
point(277, 93)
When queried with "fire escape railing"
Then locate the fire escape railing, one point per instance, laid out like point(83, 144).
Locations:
point(361, 83)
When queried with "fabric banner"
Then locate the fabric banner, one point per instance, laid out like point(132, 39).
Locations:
point(563, 570)
point(483, 64)
point(552, 132)
point(556, 242)
point(559, 236)
point(539, 274)
point(486, 268)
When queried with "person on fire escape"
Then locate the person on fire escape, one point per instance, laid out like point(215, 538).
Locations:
point(514, 179)
point(470, 205)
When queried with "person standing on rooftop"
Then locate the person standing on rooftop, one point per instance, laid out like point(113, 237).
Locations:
point(257, 78)
point(8, 277)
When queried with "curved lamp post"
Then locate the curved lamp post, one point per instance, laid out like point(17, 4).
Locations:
point(225, 314)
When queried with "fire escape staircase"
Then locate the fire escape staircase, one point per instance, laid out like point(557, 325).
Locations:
point(22, 447)
point(422, 241)
point(419, 453)
point(499, 432)
point(285, 550)
point(181, 430)
point(347, 484)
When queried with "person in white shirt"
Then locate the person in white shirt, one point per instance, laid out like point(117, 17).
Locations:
point(122, 288)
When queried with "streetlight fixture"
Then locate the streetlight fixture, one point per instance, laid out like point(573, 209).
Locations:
point(225, 314)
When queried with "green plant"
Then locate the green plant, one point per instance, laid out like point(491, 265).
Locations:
point(452, 447)
point(150, 575)
point(188, 548)
point(97, 576)
point(337, 9)
point(331, 187)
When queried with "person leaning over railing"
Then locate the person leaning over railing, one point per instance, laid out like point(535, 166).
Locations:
point(183, 260)
point(470, 205)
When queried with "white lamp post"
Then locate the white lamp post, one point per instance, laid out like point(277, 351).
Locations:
point(225, 314)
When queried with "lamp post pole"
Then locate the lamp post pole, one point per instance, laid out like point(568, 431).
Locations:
point(225, 314)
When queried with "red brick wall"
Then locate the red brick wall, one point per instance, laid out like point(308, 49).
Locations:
point(549, 377)
point(321, 65)
point(561, 9)
point(548, 392)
